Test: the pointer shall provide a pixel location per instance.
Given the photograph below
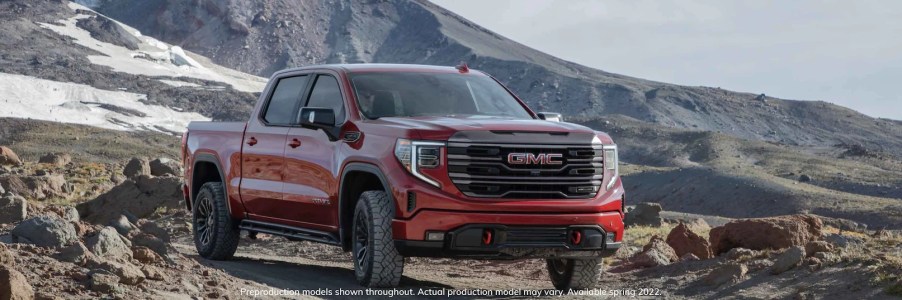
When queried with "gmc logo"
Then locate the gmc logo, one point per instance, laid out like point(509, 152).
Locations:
point(533, 159)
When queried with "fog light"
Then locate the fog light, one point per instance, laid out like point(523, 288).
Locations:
point(435, 236)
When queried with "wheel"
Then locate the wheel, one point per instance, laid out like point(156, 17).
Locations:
point(377, 263)
point(215, 233)
point(575, 274)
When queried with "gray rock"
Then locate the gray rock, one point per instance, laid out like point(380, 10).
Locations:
point(109, 244)
point(164, 166)
point(139, 197)
point(840, 240)
point(56, 159)
point(648, 214)
point(45, 231)
point(136, 167)
point(726, 273)
point(123, 225)
point(76, 253)
point(2, 191)
point(787, 260)
point(737, 253)
point(71, 214)
point(37, 187)
point(13, 209)
point(105, 283)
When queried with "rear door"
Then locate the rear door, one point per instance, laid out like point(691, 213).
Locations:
point(263, 154)
point(311, 168)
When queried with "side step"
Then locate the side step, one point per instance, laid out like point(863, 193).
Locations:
point(290, 232)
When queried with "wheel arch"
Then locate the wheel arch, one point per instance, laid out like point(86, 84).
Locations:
point(206, 168)
point(357, 178)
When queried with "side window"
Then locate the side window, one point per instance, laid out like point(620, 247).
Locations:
point(327, 94)
point(284, 100)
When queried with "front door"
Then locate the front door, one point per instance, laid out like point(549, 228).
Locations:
point(311, 162)
point(263, 154)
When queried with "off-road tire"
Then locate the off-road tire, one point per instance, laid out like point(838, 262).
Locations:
point(211, 209)
point(574, 274)
point(378, 265)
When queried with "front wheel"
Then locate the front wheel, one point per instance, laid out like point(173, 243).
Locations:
point(215, 233)
point(575, 274)
point(377, 263)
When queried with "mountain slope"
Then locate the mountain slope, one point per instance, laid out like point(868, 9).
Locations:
point(262, 37)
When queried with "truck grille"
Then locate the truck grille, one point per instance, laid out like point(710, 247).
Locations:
point(483, 170)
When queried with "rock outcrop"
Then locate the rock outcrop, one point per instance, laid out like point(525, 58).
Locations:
point(656, 253)
point(136, 167)
point(787, 260)
point(109, 244)
point(36, 187)
point(766, 233)
point(164, 167)
point(56, 159)
point(14, 285)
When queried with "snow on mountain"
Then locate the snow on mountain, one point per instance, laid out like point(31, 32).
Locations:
point(33, 98)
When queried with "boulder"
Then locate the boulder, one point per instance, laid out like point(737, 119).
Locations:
point(8, 157)
point(104, 283)
point(164, 166)
point(13, 209)
point(152, 242)
point(151, 227)
point(145, 255)
point(152, 273)
point(841, 241)
point(109, 244)
point(817, 247)
point(787, 260)
point(804, 178)
point(648, 214)
point(128, 274)
point(766, 233)
point(139, 197)
point(37, 187)
point(136, 167)
point(45, 231)
point(739, 253)
point(656, 253)
point(730, 272)
point(684, 241)
point(122, 225)
point(14, 285)
point(76, 253)
point(56, 159)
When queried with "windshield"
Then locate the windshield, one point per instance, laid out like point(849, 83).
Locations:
point(406, 94)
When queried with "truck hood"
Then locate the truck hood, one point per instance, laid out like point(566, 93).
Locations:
point(441, 128)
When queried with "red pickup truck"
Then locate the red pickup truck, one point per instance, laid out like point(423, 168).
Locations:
point(394, 161)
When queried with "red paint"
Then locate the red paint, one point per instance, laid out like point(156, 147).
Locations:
point(283, 174)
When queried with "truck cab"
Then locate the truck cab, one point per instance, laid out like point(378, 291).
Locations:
point(394, 161)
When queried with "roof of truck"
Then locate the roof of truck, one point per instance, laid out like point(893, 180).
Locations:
point(352, 68)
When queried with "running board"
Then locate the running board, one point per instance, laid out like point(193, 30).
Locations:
point(290, 232)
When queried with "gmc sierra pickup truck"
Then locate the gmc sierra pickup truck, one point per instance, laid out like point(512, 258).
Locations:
point(394, 161)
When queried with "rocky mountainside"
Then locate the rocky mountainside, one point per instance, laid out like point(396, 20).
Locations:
point(264, 36)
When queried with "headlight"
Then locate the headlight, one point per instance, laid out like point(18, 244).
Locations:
point(611, 163)
point(426, 154)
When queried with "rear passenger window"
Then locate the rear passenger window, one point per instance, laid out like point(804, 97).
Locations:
point(327, 94)
point(281, 108)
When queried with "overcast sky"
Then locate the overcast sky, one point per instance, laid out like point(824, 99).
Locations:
point(846, 52)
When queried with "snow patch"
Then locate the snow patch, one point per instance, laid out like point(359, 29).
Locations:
point(153, 58)
point(34, 98)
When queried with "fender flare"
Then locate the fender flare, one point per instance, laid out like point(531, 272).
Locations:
point(208, 158)
point(357, 167)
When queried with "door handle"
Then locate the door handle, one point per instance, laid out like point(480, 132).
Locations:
point(294, 143)
point(251, 141)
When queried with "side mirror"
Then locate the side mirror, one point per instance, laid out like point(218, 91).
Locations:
point(320, 118)
point(550, 116)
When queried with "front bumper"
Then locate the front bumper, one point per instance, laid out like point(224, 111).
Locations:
point(505, 235)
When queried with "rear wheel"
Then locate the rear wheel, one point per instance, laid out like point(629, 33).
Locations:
point(215, 233)
point(576, 274)
point(377, 263)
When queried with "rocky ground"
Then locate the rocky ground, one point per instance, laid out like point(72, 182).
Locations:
point(119, 231)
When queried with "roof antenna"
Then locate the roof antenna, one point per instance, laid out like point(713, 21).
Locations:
point(462, 67)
